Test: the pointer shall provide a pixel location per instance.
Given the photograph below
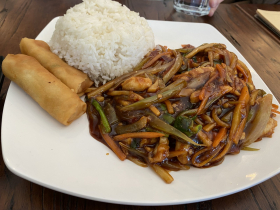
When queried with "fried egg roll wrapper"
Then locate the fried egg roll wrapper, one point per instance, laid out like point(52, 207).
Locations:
point(76, 80)
point(48, 91)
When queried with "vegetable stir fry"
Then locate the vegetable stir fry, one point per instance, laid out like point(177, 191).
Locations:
point(181, 108)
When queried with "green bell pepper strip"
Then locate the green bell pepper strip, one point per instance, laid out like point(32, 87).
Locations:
point(133, 150)
point(110, 114)
point(116, 82)
point(184, 50)
point(130, 128)
point(177, 65)
point(250, 149)
point(188, 112)
point(185, 125)
point(172, 85)
point(141, 64)
point(159, 124)
point(198, 49)
point(147, 102)
point(151, 70)
point(103, 118)
point(150, 129)
point(168, 118)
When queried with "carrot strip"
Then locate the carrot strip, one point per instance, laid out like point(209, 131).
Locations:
point(211, 79)
point(201, 94)
point(220, 136)
point(112, 145)
point(154, 110)
point(169, 107)
point(137, 97)
point(202, 104)
point(138, 135)
point(247, 71)
point(221, 71)
point(239, 131)
point(242, 71)
point(244, 96)
point(154, 59)
point(274, 106)
point(223, 65)
point(275, 111)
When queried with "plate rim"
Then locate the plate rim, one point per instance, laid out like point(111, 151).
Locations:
point(12, 168)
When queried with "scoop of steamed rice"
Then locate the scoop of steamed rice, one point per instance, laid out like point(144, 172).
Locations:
point(102, 38)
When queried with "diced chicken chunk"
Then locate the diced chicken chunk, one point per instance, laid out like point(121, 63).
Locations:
point(184, 158)
point(160, 152)
point(193, 73)
point(136, 84)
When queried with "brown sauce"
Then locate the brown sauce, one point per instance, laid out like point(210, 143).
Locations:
point(183, 104)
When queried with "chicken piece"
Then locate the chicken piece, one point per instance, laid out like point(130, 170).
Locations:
point(184, 158)
point(143, 142)
point(136, 84)
point(148, 142)
point(160, 152)
point(269, 129)
point(188, 75)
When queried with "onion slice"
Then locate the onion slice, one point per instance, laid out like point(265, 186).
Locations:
point(256, 127)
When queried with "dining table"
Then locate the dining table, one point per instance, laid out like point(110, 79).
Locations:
point(236, 22)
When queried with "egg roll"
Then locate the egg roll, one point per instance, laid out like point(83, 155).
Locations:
point(75, 79)
point(48, 91)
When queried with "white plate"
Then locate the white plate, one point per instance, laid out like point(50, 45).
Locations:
point(67, 159)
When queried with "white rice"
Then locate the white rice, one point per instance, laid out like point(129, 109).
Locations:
point(102, 38)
